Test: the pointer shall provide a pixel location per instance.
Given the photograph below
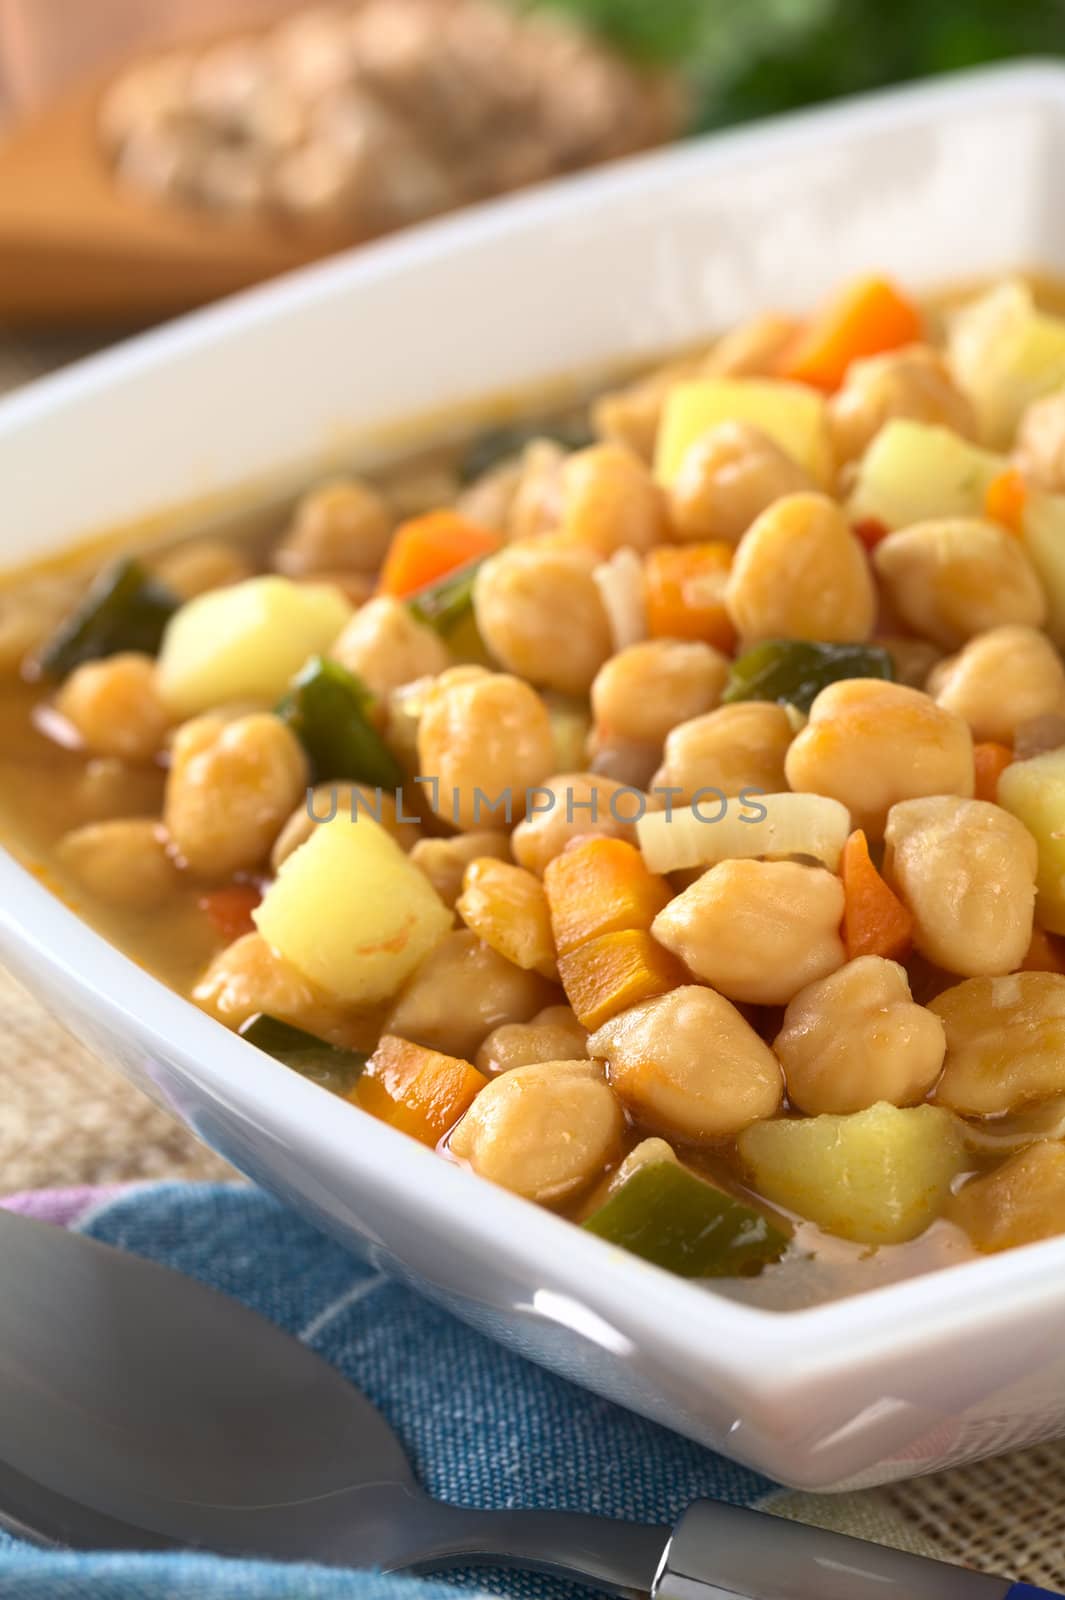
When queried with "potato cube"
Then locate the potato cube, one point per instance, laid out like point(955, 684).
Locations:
point(1034, 791)
point(794, 416)
point(915, 472)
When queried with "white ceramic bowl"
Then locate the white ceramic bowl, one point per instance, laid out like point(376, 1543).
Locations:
point(933, 184)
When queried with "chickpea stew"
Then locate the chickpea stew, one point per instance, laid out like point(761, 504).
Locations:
point(660, 811)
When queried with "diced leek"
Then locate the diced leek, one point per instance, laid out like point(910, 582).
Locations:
point(124, 609)
point(770, 825)
point(327, 709)
point(327, 1064)
point(794, 671)
point(667, 1215)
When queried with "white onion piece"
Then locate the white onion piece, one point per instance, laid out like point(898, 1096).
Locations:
point(621, 586)
point(1001, 1135)
point(793, 825)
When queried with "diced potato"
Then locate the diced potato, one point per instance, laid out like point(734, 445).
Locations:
point(1043, 536)
point(772, 825)
point(914, 472)
point(794, 416)
point(1034, 791)
point(1005, 353)
point(351, 912)
point(878, 1177)
point(245, 642)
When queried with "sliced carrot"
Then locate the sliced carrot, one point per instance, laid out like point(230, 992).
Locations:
point(875, 921)
point(417, 1090)
point(599, 886)
point(426, 548)
point(868, 317)
point(685, 589)
point(869, 531)
point(991, 761)
point(229, 910)
point(1005, 499)
point(615, 971)
point(1045, 953)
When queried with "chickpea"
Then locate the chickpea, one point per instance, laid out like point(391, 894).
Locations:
point(539, 611)
point(545, 1131)
point(199, 565)
point(444, 861)
point(536, 504)
point(757, 931)
point(630, 416)
point(554, 1034)
point(870, 744)
point(461, 992)
point(1019, 1203)
point(230, 788)
point(1040, 447)
point(646, 690)
point(115, 706)
point(752, 349)
point(387, 647)
point(123, 862)
point(610, 500)
point(342, 800)
point(483, 739)
point(689, 1066)
point(248, 977)
point(568, 806)
point(1005, 1042)
point(857, 1037)
point(728, 478)
point(108, 787)
point(341, 526)
point(966, 870)
point(1000, 680)
point(800, 573)
point(736, 747)
point(914, 383)
point(952, 579)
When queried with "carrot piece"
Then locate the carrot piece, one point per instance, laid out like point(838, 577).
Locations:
point(866, 318)
point(875, 921)
point(1005, 499)
point(229, 910)
point(417, 1090)
point(600, 886)
point(991, 761)
point(506, 907)
point(615, 971)
point(425, 548)
point(1044, 953)
point(869, 531)
point(685, 587)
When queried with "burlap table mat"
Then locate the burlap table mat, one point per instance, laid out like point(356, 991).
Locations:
point(67, 1119)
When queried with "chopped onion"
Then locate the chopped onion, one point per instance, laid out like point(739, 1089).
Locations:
point(792, 825)
point(620, 583)
point(1018, 1129)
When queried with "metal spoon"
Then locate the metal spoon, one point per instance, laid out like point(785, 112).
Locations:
point(141, 1410)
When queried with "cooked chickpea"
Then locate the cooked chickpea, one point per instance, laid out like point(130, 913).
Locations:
point(484, 742)
point(230, 789)
point(644, 691)
point(1019, 1203)
point(1040, 447)
point(109, 787)
point(342, 526)
point(727, 479)
point(630, 416)
point(966, 870)
point(1000, 680)
point(247, 977)
point(123, 862)
point(914, 383)
point(539, 611)
point(329, 800)
point(870, 744)
point(757, 931)
point(800, 573)
point(554, 1034)
point(444, 861)
point(386, 646)
point(545, 1131)
point(200, 564)
point(610, 500)
point(115, 706)
point(566, 807)
point(506, 906)
point(689, 1066)
point(1005, 1043)
point(535, 506)
point(461, 992)
point(857, 1037)
point(736, 747)
point(952, 579)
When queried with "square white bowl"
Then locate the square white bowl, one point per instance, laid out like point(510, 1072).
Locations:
point(930, 184)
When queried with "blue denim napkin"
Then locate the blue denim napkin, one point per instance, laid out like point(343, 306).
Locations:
point(482, 1427)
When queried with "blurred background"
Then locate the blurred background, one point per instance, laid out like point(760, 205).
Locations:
point(157, 153)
